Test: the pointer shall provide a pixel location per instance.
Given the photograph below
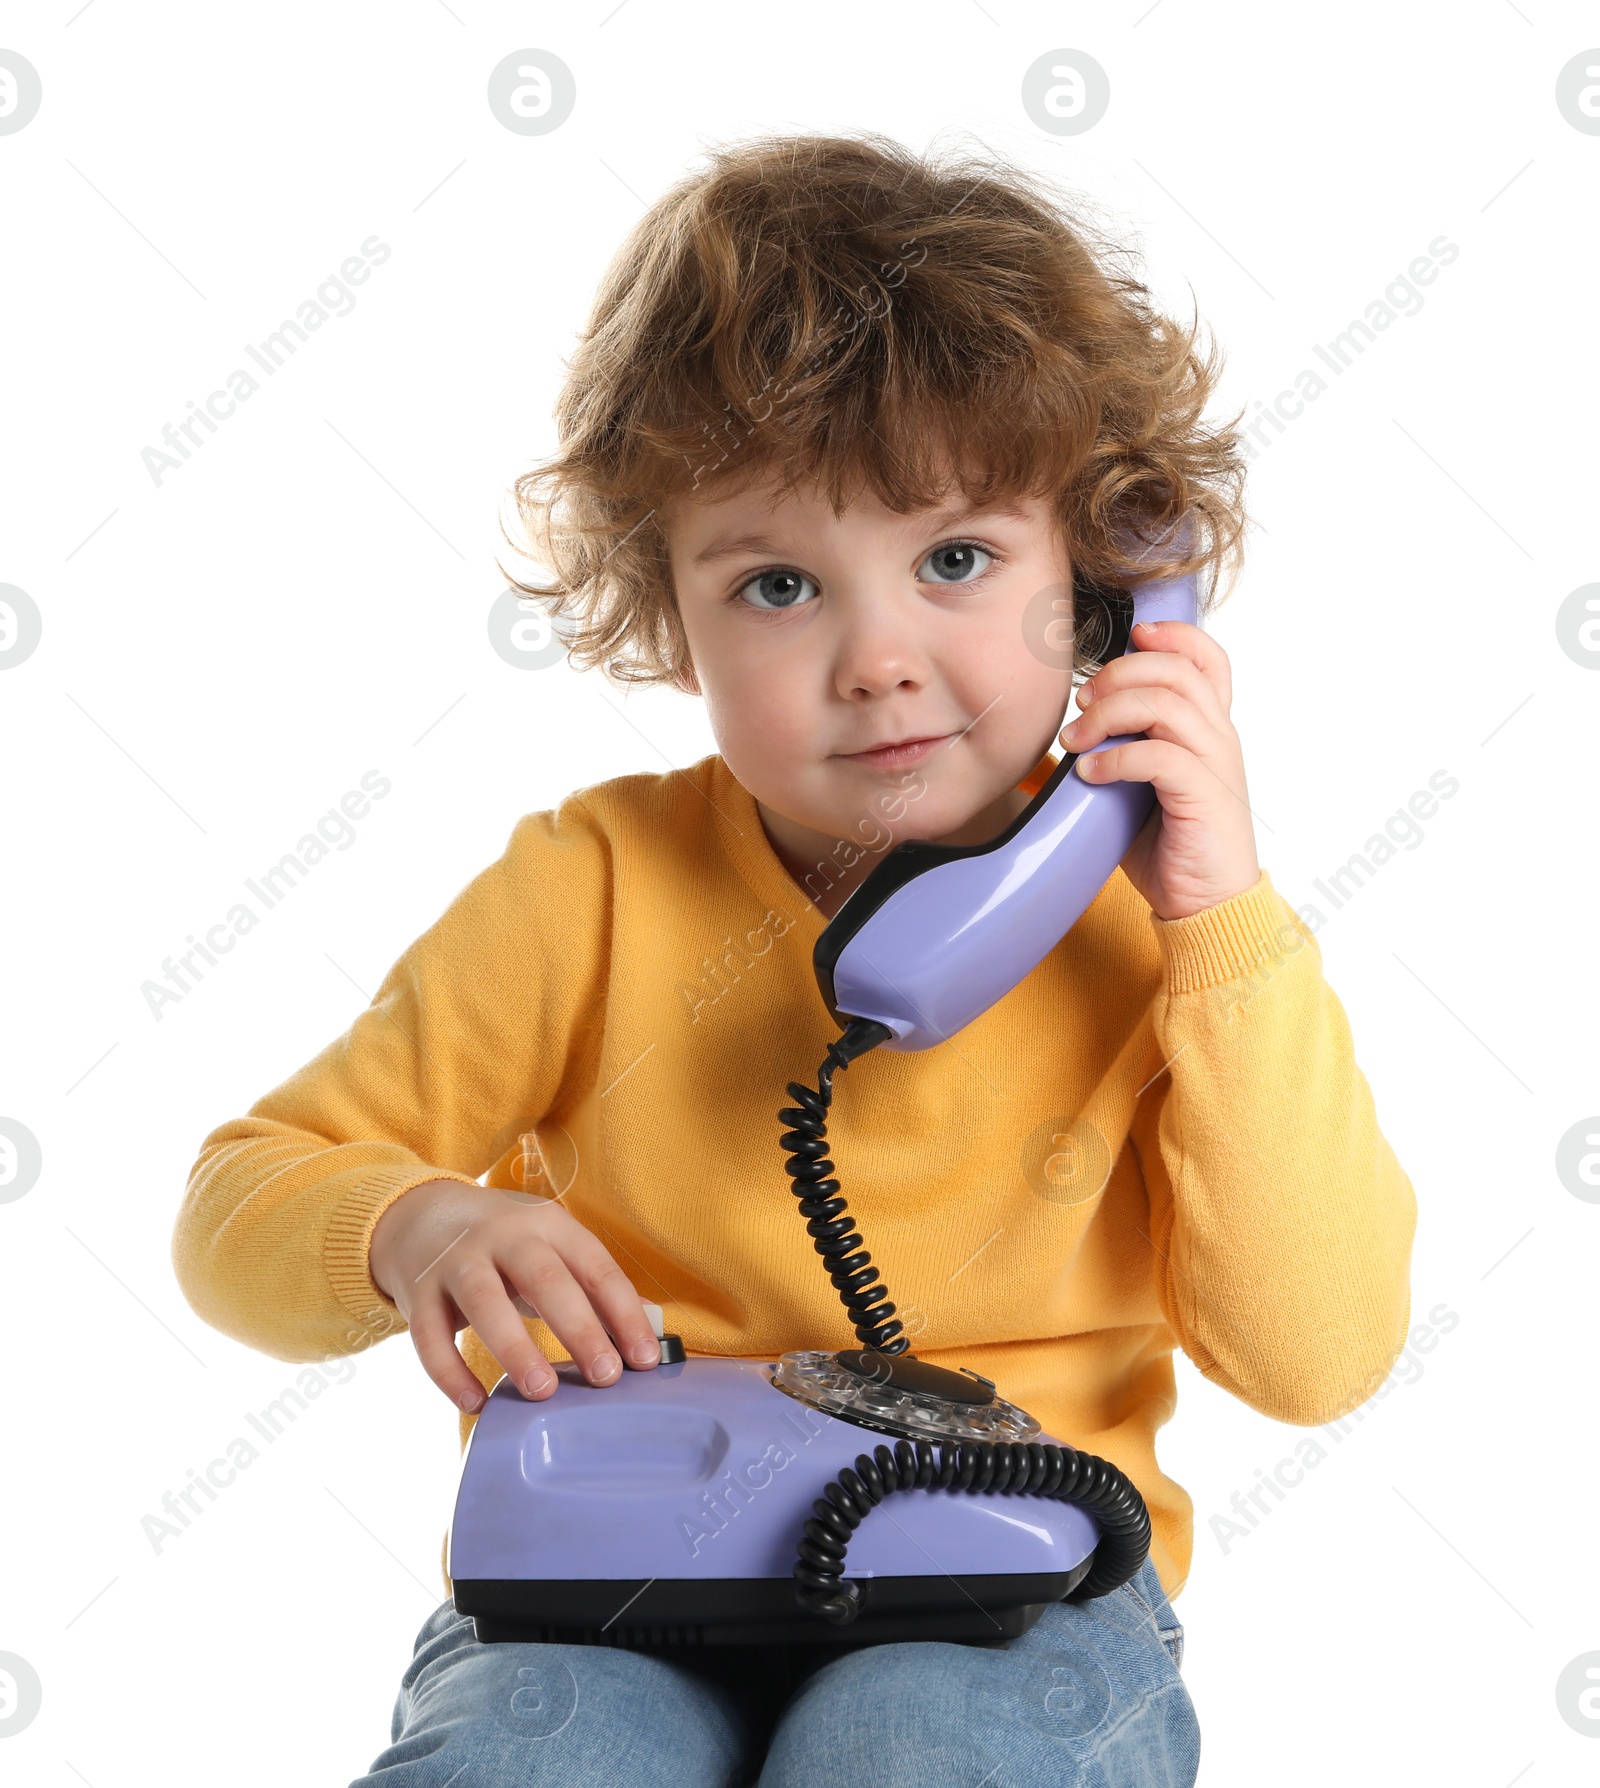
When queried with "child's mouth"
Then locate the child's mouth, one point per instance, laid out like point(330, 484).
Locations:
point(903, 751)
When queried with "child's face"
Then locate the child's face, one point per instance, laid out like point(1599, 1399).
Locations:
point(816, 638)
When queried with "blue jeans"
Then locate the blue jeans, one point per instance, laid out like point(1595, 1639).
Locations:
point(1089, 1697)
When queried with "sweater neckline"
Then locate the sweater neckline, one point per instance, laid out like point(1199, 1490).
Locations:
point(745, 840)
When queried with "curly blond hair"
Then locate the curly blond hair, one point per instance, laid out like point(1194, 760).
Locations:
point(840, 312)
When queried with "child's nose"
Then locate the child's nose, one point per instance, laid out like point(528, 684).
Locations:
point(879, 654)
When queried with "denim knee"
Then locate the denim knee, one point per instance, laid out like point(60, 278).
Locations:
point(1091, 1695)
point(584, 1716)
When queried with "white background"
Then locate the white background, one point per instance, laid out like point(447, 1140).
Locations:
point(224, 655)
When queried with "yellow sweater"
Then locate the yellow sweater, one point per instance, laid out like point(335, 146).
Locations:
point(1159, 1139)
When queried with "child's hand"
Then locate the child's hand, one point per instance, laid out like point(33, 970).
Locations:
point(1198, 847)
point(450, 1254)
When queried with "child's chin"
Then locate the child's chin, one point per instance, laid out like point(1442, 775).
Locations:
point(927, 803)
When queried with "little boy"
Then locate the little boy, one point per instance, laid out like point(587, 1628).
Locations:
point(856, 446)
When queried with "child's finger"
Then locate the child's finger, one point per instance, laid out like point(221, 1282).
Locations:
point(610, 1292)
point(1162, 713)
point(1185, 781)
point(480, 1294)
point(1192, 643)
point(536, 1268)
point(433, 1335)
point(1157, 669)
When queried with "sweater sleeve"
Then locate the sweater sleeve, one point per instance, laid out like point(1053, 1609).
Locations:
point(1280, 1218)
point(465, 1046)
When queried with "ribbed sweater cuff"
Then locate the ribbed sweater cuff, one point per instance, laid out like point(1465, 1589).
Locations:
point(349, 1239)
point(1224, 942)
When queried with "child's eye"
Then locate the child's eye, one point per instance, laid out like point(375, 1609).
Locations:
point(953, 563)
point(777, 589)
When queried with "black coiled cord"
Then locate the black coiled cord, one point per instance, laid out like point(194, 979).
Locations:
point(1007, 1468)
point(996, 1468)
point(808, 1167)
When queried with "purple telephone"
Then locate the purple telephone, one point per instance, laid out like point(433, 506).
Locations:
point(679, 1506)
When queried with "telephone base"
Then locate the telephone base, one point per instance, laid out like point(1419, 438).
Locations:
point(984, 1609)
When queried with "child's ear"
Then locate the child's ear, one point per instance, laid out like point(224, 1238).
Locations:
point(685, 679)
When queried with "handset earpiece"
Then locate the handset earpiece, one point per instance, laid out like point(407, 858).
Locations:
point(937, 933)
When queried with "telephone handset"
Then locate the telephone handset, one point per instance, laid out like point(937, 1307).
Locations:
point(937, 933)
